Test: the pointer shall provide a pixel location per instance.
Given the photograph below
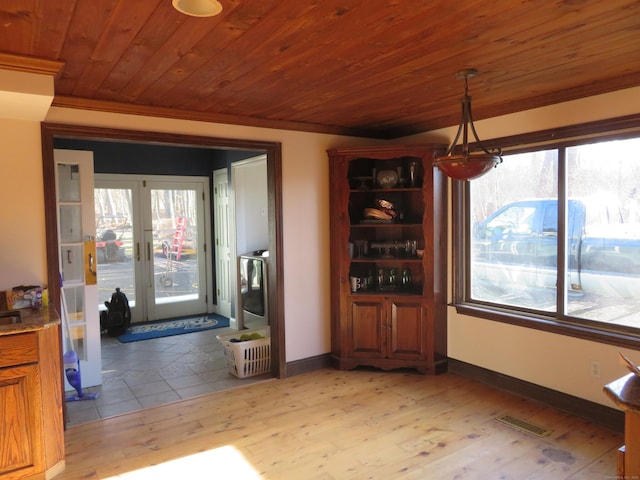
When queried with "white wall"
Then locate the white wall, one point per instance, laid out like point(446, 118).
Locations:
point(249, 180)
point(550, 360)
point(24, 100)
point(22, 237)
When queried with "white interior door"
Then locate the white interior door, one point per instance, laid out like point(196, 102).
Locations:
point(78, 262)
point(222, 242)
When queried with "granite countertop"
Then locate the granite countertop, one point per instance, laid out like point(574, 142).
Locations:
point(27, 320)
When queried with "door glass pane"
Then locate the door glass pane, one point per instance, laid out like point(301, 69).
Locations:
point(175, 264)
point(74, 303)
point(71, 261)
point(515, 232)
point(68, 182)
point(604, 262)
point(115, 246)
point(78, 335)
point(70, 223)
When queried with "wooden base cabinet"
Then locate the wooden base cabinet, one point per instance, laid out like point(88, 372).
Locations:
point(21, 419)
point(388, 253)
point(387, 333)
point(31, 426)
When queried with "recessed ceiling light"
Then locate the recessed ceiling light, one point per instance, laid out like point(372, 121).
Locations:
point(198, 8)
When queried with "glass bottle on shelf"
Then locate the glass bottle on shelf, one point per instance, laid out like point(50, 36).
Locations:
point(392, 276)
point(370, 279)
point(406, 278)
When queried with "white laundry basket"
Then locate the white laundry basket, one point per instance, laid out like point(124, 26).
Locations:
point(248, 358)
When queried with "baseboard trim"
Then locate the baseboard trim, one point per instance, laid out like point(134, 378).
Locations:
point(308, 364)
point(600, 414)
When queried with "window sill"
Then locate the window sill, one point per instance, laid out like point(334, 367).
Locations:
point(548, 324)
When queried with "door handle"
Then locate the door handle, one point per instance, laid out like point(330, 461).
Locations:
point(90, 270)
point(150, 265)
point(138, 251)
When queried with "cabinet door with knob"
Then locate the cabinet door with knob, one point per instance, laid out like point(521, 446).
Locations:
point(387, 332)
point(388, 248)
point(407, 329)
point(21, 420)
point(365, 335)
point(31, 397)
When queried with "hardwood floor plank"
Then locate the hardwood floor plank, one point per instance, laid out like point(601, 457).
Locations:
point(346, 425)
point(599, 468)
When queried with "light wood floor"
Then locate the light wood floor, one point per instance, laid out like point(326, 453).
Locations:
point(331, 424)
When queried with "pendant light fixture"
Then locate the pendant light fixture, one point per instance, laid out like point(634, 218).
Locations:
point(198, 8)
point(466, 165)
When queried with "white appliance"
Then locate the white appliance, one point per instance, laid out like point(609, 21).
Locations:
point(253, 307)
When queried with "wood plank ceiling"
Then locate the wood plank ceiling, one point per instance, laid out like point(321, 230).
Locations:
point(377, 68)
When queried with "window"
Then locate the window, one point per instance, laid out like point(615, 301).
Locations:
point(515, 259)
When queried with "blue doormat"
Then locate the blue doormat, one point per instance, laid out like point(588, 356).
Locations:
point(166, 328)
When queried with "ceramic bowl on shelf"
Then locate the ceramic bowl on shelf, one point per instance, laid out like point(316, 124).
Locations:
point(387, 178)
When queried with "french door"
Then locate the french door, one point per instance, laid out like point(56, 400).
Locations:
point(151, 243)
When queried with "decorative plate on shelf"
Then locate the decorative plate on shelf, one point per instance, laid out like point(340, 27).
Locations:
point(387, 178)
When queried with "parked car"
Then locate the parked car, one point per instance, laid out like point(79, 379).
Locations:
point(603, 253)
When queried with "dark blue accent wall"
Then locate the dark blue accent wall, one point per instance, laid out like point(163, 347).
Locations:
point(151, 159)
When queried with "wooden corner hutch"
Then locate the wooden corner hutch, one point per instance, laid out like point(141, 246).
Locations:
point(388, 204)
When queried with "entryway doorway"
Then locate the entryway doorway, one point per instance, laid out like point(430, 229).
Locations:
point(226, 150)
point(151, 233)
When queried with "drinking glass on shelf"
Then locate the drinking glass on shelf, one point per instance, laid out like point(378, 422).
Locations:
point(410, 247)
point(363, 248)
point(412, 173)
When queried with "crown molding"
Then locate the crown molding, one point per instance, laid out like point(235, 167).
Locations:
point(34, 65)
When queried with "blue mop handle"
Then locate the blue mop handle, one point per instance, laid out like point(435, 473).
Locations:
point(65, 315)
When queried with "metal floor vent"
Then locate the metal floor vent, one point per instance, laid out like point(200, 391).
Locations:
point(523, 426)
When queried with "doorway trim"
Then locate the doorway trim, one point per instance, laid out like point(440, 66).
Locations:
point(273, 151)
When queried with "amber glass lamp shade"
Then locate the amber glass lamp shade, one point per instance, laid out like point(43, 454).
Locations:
point(461, 167)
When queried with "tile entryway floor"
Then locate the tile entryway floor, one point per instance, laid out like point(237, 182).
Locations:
point(157, 371)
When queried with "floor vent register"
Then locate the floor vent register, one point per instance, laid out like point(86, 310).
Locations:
point(523, 426)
